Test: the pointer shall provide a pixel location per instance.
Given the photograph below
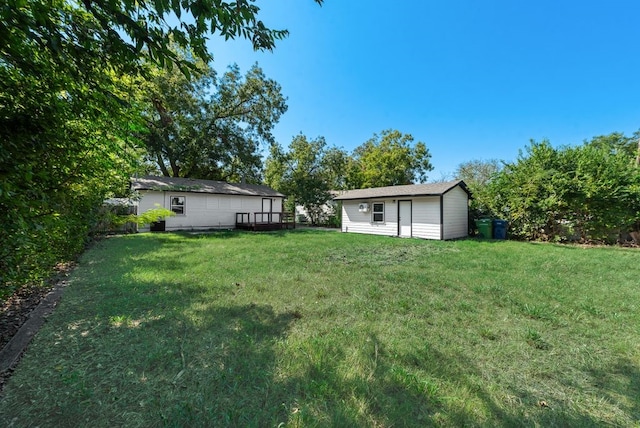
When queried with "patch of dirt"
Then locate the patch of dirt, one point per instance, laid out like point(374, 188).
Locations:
point(17, 308)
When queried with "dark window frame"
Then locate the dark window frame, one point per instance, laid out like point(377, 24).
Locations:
point(379, 214)
point(179, 208)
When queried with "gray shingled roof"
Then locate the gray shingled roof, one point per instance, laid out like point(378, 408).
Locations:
point(431, 189)
point(179, 184)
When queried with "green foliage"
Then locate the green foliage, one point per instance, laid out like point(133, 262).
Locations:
point(586, 193)
point(65, 146)
point(124, 32)
point(334, 163)
point(306, 173)
point(143, 219)
point(387, 160)
point(70, 109)
point(151, 215)
point(209, 127)
point(618, 143)
point(477, 174)
point(335, 218)
point(605, 196)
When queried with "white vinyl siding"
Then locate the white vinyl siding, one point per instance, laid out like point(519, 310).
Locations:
point(362, 222)
point(426, 217)
point(204, 211)
point(456, 214)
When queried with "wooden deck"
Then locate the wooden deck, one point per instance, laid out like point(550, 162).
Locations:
point(261, 221)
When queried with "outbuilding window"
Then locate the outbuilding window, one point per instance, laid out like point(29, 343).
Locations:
point(178, 204)
point(378, 212)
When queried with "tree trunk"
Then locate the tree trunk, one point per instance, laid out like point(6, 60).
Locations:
point(162, 166)
point(175, 168)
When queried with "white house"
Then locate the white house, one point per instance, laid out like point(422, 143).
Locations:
point(207, 204)
point(430, 211)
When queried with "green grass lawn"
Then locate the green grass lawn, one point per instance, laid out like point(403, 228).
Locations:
point(309, 328)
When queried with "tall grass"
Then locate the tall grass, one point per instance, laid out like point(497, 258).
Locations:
point(307, 328)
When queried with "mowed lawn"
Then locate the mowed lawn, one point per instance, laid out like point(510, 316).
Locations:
point(311, 328)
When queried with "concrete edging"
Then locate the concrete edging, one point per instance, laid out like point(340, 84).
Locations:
point(13, 350)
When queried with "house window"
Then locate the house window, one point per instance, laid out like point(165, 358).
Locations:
point(177, 204)
point(378, 212)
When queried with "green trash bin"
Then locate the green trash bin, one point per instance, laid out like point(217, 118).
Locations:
point(484, 226)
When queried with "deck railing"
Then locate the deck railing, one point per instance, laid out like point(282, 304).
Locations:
point(266, 220)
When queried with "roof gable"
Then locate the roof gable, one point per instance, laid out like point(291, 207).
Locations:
point(180, 184)
point(430, 189)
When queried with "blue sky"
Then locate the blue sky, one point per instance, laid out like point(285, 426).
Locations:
point(471, 79)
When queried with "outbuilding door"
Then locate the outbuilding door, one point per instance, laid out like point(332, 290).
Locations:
point(404, 218)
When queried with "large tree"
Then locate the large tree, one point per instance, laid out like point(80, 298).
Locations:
point(68, 108)
point(212, 127)
point(388, 159)
point(306, 172)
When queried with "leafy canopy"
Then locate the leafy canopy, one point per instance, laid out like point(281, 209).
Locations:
point(477, 174)
point(211, 127)
point(304, 173)
point(388, 159)
point(587, 193)
point(122, 30)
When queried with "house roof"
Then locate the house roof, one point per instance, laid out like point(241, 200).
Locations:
point(179, 184)
point(431, 189)
point(124, 202)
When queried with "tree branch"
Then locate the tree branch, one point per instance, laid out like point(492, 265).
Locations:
point(232, 112)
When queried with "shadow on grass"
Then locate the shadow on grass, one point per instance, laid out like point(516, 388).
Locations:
point(224, 373)
point(237, 233)
point(409, 390)
point(135, 353)
point(184, 364)
point(623, 381)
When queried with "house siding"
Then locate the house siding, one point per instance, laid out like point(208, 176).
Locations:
point(456, 214)
point(357, 222)
point(426, 217)
point(204, 211)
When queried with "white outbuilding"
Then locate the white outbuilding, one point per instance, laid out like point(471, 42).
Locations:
point(430, 211)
